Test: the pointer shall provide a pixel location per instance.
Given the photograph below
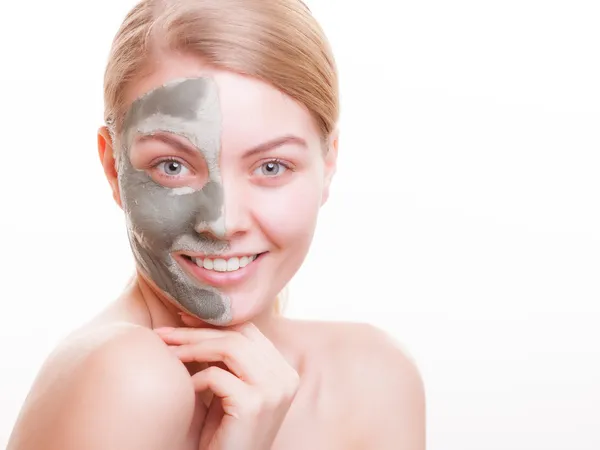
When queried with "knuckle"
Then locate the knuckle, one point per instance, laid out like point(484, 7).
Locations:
point(252, 405)
point(282, 394)
point(294, 378)
point(289, 393)
point(234, 340)
point(224, 348)
point(292, 382)
point(210, 372)
point(273, 398)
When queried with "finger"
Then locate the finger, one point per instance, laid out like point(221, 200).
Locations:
point(254, 334)
point(270, 355)
point(274, 365)
point(236, 352)
point(249, 330)
point(229, 388)
point(276, 369)
point(212, 421)
point(249, 360)
point(189, 335)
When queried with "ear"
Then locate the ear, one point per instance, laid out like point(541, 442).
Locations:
point(107, 159)
point(330, 163)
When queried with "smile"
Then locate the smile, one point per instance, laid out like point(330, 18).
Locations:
point(221, 271)
point(223, 265)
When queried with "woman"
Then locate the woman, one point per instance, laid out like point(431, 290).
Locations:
point(220, 146)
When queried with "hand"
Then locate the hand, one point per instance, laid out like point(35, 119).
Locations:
point(251, 398)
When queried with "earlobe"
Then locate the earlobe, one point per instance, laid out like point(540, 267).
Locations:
point(107, 159)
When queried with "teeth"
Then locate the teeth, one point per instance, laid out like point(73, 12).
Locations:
point(222, 265)
point(233, 264)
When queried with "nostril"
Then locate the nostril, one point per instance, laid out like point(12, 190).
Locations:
point(215, 228)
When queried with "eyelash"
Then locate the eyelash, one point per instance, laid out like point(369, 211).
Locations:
point(155, 165)
point(287, 165)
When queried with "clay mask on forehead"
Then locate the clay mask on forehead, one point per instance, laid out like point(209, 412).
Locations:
point(163, 221)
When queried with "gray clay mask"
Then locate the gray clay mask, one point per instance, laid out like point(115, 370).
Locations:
point(163, 221)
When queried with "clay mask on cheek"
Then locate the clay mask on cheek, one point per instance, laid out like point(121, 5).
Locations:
point(163, 221)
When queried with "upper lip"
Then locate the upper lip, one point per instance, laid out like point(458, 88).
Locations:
point(228, 256)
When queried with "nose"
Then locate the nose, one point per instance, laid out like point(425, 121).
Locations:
point(237, 205)
point(231, 214)
point(216, 227)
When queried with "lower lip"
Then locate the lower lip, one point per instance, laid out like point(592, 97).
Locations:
point(219, 279)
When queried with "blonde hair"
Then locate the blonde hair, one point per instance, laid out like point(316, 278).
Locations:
point(276, 41)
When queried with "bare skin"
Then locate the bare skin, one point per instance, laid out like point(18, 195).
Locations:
point(114, 385)
point(262, 382)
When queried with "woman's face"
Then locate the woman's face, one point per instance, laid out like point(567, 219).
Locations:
point(221, 178)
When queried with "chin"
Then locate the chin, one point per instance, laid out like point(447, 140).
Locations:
point(247, 307)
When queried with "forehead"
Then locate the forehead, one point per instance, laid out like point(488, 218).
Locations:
point(189, 107)
point(254, 111)
point(179, 98)
point(248, 110)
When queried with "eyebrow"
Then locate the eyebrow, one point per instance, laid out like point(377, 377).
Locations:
point(192, 150)
point(274, 143)
point(166, 138)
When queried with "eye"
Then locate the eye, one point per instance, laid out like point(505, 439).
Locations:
point(271, 168)
point(171, 167)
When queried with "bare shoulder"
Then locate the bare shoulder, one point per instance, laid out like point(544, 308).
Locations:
point(364, 347)
point(107, 387)
point(377, 385)
point(361, 347)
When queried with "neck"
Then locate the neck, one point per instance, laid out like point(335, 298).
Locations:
point(163, 312)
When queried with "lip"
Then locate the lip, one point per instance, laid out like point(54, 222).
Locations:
point(219, 279)
point(225, 257)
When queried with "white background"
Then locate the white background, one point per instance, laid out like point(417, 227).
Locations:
point(464, 218)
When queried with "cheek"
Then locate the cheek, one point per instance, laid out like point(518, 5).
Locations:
point(288, 214)
point(156, 221)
